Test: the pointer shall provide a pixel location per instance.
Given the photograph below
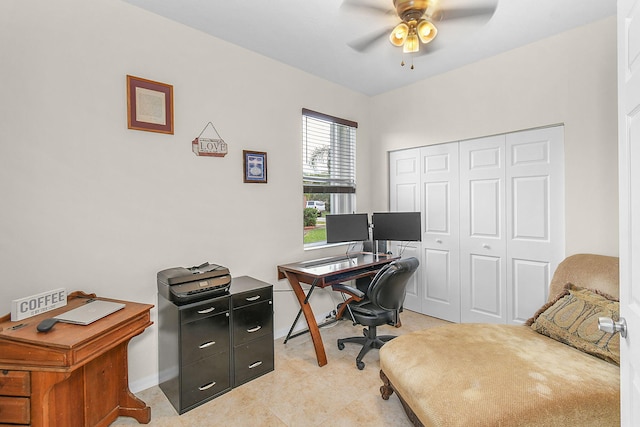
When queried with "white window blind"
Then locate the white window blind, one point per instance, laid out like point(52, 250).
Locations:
point(328, 153)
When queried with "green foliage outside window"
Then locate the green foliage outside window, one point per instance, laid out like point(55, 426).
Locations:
point(310, 217)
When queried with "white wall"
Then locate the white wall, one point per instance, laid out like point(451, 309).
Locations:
point(88, 204)
point(569, 78)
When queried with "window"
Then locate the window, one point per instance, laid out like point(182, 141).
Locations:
point(328, 171)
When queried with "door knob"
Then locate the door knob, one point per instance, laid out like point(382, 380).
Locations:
point(438, 240)
point(607, 324)
point(486, 246)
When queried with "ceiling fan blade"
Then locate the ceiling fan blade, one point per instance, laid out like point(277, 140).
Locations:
point(362, 44)
point(358, 4)
point(461, 13)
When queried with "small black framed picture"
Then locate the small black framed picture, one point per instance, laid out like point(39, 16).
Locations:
point(255, 166)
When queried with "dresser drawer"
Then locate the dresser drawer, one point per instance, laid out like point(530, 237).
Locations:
point(14, 410)
point(204, 379)
point(252, 321)
point(252, 296)
point(205, 337)
point(204, 309)
point(15, 383)
point(253, 359)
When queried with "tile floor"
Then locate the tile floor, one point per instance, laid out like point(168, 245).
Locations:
point(299, 392)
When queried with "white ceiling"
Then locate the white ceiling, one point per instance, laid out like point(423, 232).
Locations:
point(314, 35)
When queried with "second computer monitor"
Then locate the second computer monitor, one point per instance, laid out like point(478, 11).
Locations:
point(347, 228)
point(398, 226)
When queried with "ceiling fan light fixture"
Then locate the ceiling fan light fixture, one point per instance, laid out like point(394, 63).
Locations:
point(399, 34)
point(411, 44)
point(426, 31)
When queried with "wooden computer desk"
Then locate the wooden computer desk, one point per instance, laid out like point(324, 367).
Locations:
point(326, 272)
point(72, 375)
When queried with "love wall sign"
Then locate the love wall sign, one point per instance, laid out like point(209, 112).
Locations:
point(207, 146)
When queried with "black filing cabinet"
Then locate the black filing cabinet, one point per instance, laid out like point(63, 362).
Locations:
point(252, 333)
point(210, 346)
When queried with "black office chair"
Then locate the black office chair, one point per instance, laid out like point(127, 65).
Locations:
point(382, 304)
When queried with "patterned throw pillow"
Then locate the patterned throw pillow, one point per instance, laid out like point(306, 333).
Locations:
point(573, 320)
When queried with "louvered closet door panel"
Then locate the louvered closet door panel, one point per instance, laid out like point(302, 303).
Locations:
point(404, 196)
point(440, 231)
point(535, 194)
point(482, 230)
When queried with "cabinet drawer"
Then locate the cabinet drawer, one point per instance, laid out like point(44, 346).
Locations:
point(252, 296)
point(205, 309)
point(204, 379)
point(252, 321)
point(15, 383)
point(14, 410)
point(204, 338)
point(253, 359)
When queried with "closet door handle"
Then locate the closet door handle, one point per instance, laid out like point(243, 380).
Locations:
point(256, 329)
point(438, 240)
point(486, 246)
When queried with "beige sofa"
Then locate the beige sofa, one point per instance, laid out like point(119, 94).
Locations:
point(509, 375)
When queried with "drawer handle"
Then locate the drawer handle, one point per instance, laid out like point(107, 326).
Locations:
point(207, 344)
point(206, 310)
point(256, 329)
point(207, 386)
point(256, 298)
point(255, 365)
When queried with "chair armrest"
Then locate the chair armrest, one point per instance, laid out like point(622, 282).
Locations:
point(348, 290)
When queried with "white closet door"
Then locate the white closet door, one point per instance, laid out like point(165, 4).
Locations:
point(482, 230)
point(440, 231)
point(535, 197)
point(404, 196)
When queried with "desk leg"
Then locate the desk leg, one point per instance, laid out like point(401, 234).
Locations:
point(42, 414)
point(129, 404)
point(309, 317)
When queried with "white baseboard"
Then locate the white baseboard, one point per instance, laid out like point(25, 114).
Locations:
point(144, 383)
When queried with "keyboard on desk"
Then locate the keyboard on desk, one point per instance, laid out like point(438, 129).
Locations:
point(345, 276)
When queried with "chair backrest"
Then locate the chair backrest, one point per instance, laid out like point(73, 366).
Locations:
point(388, 287)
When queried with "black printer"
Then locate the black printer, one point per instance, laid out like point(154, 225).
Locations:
point(185, 285)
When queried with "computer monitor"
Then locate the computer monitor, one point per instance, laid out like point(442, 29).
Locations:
point(398, 226)
point(347, 228)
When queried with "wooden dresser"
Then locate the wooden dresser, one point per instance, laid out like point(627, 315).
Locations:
point(72, 375)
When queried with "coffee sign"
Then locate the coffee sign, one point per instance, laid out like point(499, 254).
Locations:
point(35, 304)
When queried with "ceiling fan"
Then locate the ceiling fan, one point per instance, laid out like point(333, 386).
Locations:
point(416, 24)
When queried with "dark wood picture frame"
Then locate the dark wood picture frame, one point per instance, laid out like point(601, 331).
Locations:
point(255, 166)
point(149, 105)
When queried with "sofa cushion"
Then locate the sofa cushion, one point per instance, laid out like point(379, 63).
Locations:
point(500, 375)
point(573, 320)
